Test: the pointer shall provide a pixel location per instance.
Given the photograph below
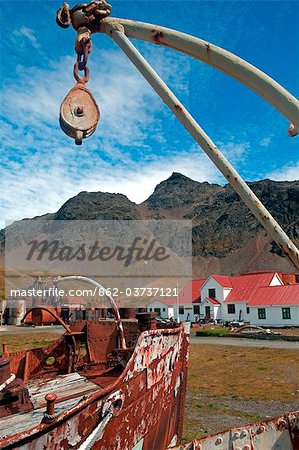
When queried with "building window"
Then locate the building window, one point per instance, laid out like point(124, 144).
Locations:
point(212, 293)
point(164, 309)
point(286, 313)
point(150, 309)
point(261, 312)
point(231, 309)
point(248, 310)
point(181, 310)
point(196, 309)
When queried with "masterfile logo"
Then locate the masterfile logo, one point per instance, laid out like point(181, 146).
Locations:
point(130, 258)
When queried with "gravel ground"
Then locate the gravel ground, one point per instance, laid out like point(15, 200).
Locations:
point(242, 342)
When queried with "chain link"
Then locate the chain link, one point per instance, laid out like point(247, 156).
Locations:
point(82, 17)
point(82, 58)
point(81, 63)
point(78, 78)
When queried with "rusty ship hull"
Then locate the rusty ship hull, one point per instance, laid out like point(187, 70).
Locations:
point(279, 433)
point(108, 398)
point(85, 392)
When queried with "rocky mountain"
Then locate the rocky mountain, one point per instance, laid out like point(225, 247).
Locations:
point(226, 237)
point(180, 191)
point(98, 205)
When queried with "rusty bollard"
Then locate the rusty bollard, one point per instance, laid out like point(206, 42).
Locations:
point(5, 372)
point(49, 415)
point(5, 352)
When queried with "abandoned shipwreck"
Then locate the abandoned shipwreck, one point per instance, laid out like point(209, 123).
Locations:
point(99, 384)
point(121, 385)
point(113, 385)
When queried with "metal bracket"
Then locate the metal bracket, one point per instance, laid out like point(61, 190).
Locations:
point(82, 15)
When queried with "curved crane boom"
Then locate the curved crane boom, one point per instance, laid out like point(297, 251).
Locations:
point(215, 56)
point(116, 31)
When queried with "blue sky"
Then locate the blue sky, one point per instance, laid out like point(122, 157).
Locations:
point(138, 142)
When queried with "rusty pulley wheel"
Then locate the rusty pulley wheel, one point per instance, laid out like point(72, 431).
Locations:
point(79, 113)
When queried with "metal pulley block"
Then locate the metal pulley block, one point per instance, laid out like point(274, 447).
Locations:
point(79, 113)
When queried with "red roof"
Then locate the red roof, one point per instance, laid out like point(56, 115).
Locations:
point(166, 300)
point(276, 295)
point(245, 286)
point(223, 280)
point(213, 301)
point(191, 292)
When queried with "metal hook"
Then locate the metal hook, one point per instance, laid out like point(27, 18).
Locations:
point(63, 16)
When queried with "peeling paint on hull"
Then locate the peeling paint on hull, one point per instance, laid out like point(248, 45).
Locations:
point(143, 408)
point(280, 433)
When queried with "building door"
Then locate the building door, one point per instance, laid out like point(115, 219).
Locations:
point(208, 313)
point(158, 311)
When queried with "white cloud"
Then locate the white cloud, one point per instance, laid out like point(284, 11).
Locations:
point(289, 172)
point(265, 142)
point(129, 107)
point(28, 34)
point(235, 151)
point(47, 187)
point(42, 168)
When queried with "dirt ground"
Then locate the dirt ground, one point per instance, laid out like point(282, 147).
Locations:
point(232, 386)
point(227, 386)
point(294, 331)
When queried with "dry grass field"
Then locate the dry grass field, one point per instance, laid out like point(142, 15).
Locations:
point(232, 386)
point(25, 341)
point(227, 385)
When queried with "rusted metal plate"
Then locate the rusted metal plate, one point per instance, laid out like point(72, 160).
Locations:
point(139, 406)
point(293, 420)
point(281, 433)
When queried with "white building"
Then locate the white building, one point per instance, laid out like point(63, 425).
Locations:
point(186, 307)
point(258, 298)
point(163, 307)
point(225, 298)
point(276, 306)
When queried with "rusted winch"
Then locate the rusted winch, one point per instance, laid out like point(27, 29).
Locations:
point(79, 113)
point(14, 396)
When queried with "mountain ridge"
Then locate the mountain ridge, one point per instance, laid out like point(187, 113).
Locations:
point(226, 236)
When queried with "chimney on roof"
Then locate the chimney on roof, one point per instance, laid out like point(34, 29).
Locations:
point(289, 278)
